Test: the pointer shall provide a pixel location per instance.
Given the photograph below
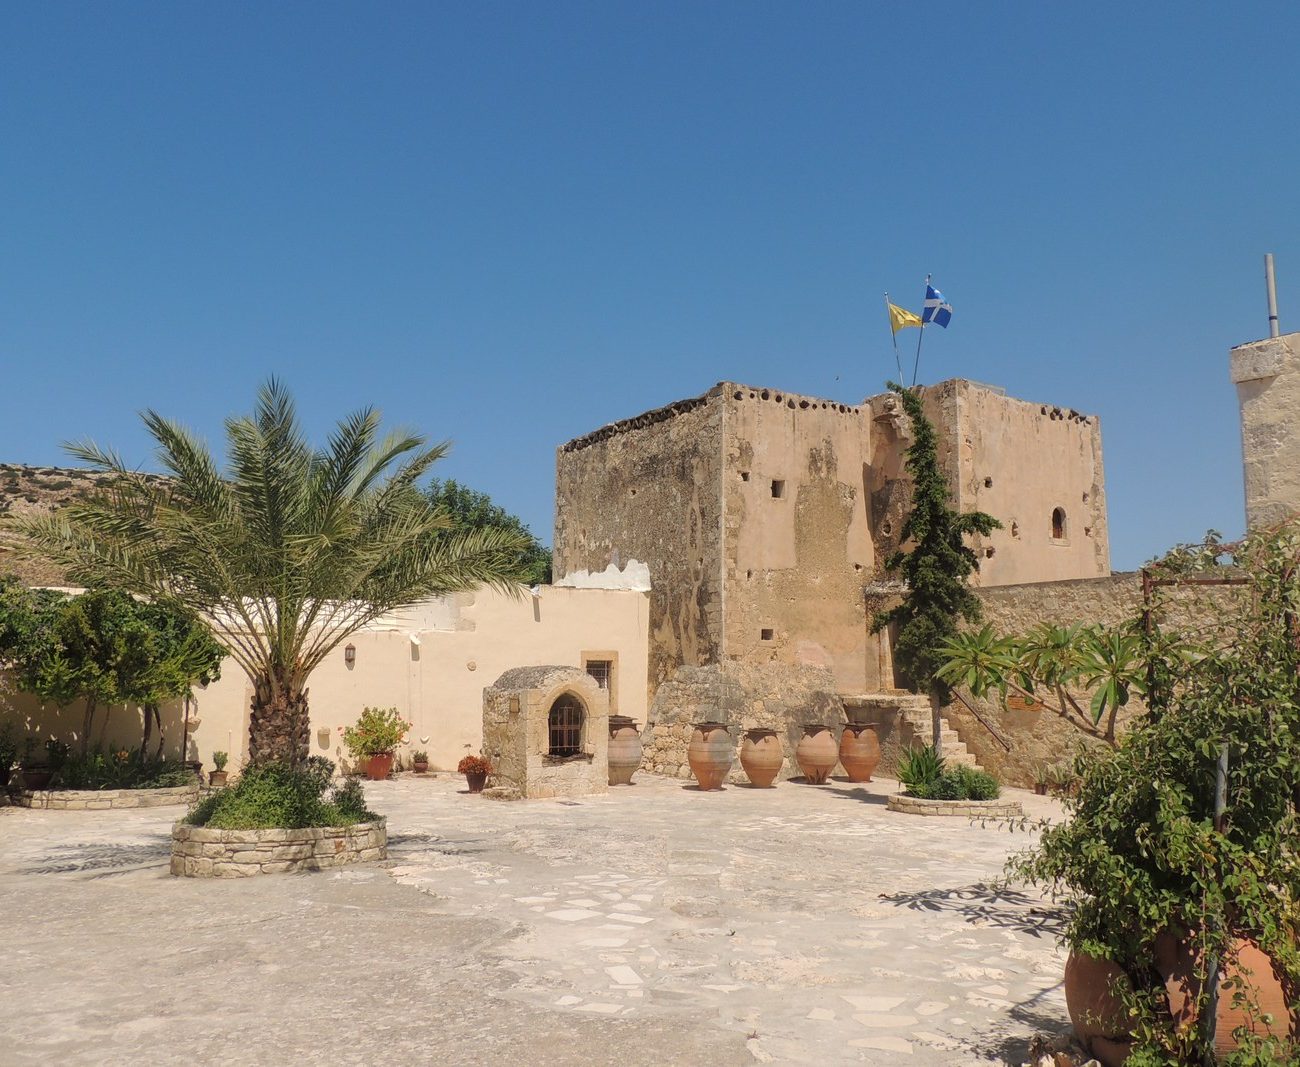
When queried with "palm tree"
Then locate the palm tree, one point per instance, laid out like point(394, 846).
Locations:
point(284, 554)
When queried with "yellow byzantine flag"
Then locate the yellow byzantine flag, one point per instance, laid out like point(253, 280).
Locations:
point(901, 318)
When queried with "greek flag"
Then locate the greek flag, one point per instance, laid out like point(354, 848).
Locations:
point(936, 311)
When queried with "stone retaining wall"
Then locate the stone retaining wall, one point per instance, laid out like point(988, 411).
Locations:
point(102, 799)
point(201, 852)
point(965, 808)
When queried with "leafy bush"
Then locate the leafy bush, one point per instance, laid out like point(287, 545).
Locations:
point(121, 769)
point(377, 732)
point(1142, 855)
point(275, 796)
point(920, 769)
point(963, 783)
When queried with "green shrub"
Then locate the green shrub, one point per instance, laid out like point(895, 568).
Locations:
point(120, 769)
point(920, 769)
point(951, 783)
point(273, 796)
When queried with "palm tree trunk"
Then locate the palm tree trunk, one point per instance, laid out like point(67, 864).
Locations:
point(279, 724)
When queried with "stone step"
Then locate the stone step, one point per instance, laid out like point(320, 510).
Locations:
point(954, 749)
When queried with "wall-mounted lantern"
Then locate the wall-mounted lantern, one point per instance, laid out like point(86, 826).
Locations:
point(350, 655)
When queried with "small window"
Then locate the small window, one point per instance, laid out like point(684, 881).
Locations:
point(600, 669)
point(988, 483)
point(766, 633)
point(1058, 524)
point(778, 488)
point(565, 726)
point(744, 476)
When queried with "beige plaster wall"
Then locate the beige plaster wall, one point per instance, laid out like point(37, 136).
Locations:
point(1018, 460)
point(1267, 376)
point(794, 564)
point(465, 642)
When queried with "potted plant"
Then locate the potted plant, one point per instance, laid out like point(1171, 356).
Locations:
point(39, 771)
point(373, 739)
point(1178, 861)
point(420, 761)
point(218, 777)
point(475, 769)
point(1042, 778)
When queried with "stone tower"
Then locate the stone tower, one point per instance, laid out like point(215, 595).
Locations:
point(1267, 376)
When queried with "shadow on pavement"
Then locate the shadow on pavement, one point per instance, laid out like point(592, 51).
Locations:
point(985, 905)
point(103, 861)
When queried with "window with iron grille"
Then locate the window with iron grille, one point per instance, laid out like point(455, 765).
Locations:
point(566, 718)
point(600, 670)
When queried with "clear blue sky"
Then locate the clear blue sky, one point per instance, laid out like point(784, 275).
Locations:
point(508, 224)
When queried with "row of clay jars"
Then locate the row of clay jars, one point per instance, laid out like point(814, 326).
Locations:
point(710, 753)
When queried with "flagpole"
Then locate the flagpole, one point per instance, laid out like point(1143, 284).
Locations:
point(917, 362)
point(894, 336)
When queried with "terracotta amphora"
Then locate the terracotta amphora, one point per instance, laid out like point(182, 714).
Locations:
point(1248, 970)
point(624, 750)
point(761, 756)
point(817, 753)
point(1099, 1017)
point(859, 751)
point(709, 754)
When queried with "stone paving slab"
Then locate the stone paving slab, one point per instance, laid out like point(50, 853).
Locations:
point(655, 924)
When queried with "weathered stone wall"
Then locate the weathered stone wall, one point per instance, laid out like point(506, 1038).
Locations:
point(1014, 459)
point(1267, 376)
point(797, 535)
point(200, 852)
point(516, 738)
point(648, 488)
point(1041, 738)
point(103, 799)
point(775, 696)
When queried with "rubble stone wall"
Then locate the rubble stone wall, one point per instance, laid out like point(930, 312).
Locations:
point(200, 852)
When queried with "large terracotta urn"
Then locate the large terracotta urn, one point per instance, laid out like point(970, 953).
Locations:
point(709, 754)
point(1097, 1013)
point(817, 753)
point(859, 751)
point(624, 750)
point(761, 756)
point(378, 767)
point(1248, 970)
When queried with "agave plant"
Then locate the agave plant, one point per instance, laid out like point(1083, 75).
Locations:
point(284, 553)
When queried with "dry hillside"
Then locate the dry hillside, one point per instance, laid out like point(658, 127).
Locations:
point(26, 489)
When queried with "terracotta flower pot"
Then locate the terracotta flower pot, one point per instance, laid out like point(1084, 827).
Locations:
point(859, 751)
point(1250, 971)
point(217, 779)
point(37, 778)
point(624, 750)
point(1099, 1017)
point(379, 767)
point(761, 756)
point(476, 781)
point(709, 754)
point(817, 753)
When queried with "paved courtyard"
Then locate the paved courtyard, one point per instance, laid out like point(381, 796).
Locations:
point(655, 925)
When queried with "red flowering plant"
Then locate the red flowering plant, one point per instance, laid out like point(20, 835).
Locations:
point(376, 733)
point(474, 765)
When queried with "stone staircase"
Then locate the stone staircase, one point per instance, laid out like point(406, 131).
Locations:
point(915, 728)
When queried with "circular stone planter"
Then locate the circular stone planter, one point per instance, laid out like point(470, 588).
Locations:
point(102, 799)
point(962, 808)
point(201, 852)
